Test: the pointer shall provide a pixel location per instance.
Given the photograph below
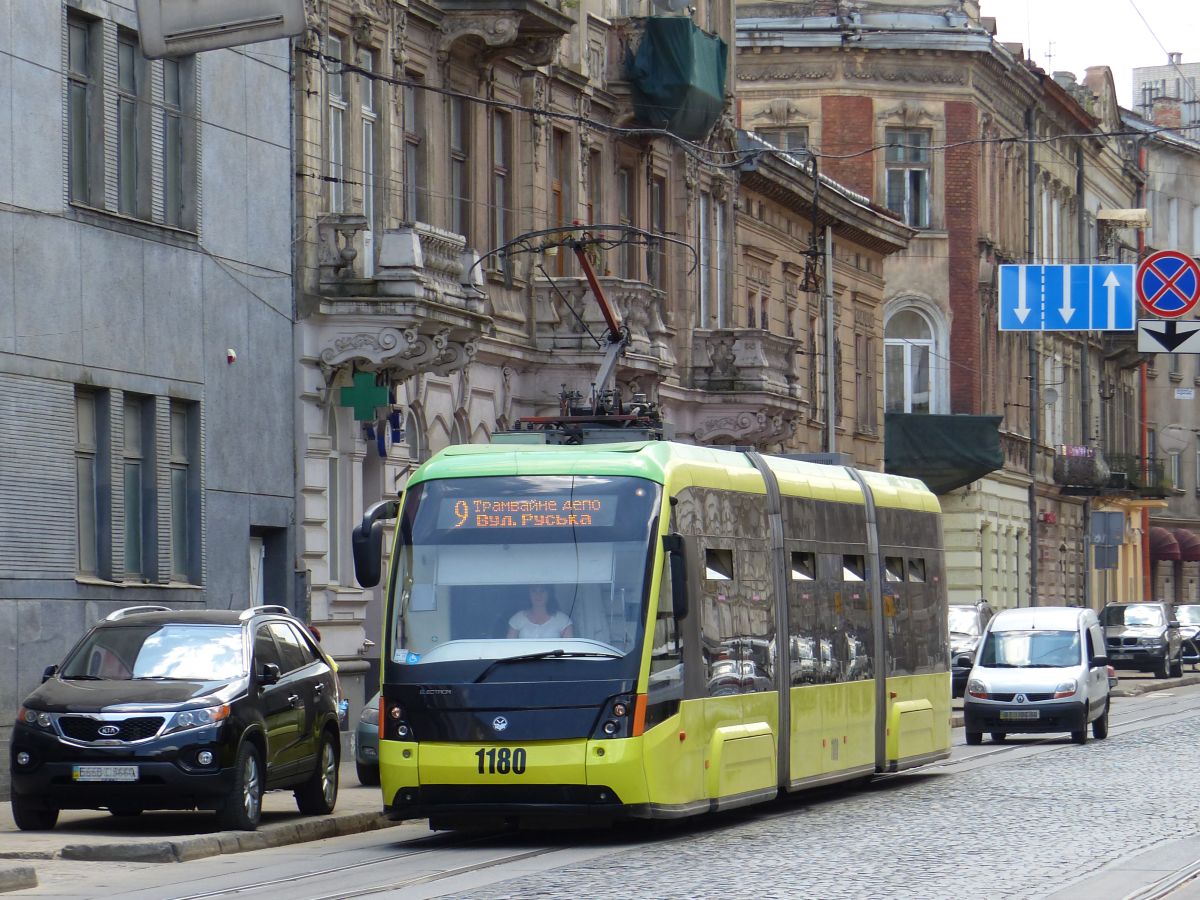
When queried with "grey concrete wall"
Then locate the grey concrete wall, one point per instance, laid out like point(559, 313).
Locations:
point(93, 298)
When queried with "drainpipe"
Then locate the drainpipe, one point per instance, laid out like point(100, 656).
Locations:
point(1034, 392)
point(1085, 370)
point(1143, 427)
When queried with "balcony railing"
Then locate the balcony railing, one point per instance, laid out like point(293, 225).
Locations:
point(1145, 477)
point(745, 359)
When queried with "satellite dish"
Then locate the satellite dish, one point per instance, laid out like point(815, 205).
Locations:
point(1174, 438)
point(1049, 396)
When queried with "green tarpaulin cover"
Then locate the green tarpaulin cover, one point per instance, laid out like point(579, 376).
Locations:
point(678, 77)
point(945, 452)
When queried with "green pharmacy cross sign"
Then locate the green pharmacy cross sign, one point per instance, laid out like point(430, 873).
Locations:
point(365, 397)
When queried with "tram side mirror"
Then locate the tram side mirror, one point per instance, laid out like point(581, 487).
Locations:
point(367, 542)
point(673, 545)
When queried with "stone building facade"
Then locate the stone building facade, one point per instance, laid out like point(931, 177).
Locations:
point(992, 161)
point(457, 129)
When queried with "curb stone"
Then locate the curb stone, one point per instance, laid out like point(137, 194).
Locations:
point(17, 878)
point(202, 846)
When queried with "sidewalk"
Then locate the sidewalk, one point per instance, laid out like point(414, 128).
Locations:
point(170, 836)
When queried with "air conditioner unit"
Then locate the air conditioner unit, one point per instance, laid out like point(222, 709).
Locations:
point(180, 27)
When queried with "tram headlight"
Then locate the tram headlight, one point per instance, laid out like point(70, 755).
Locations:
point(619, 718)
point(393, 722)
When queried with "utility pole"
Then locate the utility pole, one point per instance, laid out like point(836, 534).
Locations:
point(831, 373)
point(1034, 392)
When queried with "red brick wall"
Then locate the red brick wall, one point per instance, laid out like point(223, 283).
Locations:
point(847, 127)
point(962, 224)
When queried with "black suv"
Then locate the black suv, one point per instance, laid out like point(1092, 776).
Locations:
point(967, 622)
point(1143, 635)
point(169, 709)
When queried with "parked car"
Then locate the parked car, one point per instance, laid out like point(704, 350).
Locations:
point(1143, 636)
point(1188, 615)
point(170, 709)
point(967, 622)
point(1039, 669)
point(366, 743)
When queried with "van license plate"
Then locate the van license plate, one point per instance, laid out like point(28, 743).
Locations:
point(1019, 715)
point(104, 773)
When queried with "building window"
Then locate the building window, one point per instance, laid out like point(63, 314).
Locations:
point(138, 481)
point(369, 113)
point(1175, 469)
point(335, 136)
point(703, 237)
point(415, 189)
point(459, 219)
point(793, 138)
point(864, 378)
point(627, 215)
point(85, 147)
point(501, 200)
point(130, 103)
point(816, 368)
point(907, 164)
point(908, 353)
point(184, 492)
point(595, 187)
point(560, 190)
point(721, 254)
point(88, 460)
point(657, 255)
point(173, 142)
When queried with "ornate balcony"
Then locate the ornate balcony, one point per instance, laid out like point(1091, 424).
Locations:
point(745, 360)
point(565, 305)
point(422, 310)
point(530, 29)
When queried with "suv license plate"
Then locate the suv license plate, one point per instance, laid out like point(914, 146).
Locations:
point(1020, 715)
point(104, 773)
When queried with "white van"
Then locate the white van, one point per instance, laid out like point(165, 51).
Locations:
point(1040, 669)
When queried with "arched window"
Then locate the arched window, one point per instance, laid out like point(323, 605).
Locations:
point(910, 354)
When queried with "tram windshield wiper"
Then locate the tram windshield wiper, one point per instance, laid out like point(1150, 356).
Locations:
point(545, 654)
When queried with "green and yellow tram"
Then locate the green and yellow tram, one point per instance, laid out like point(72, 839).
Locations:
point(651, 630)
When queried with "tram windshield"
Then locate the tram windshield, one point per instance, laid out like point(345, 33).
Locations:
point(497, 567)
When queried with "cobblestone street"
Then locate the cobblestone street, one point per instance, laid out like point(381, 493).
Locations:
point(1019, 828)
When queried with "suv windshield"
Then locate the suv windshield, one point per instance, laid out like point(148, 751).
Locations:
point(1030, 649)
point(964, 620)
point(1133, 614)
point(1188, 614)
point(504, 566)
point(178, 652)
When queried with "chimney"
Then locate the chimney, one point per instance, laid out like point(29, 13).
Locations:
point(1167, 112)
point(1174, 59)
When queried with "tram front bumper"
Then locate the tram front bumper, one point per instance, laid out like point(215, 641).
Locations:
point(485, 801)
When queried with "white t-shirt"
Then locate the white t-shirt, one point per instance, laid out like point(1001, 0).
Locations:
point(551, 628)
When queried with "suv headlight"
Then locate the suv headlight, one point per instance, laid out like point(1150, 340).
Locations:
point(1152, 642)
point(1066, 689)
point(977, 689)
point(36, 718)
point(196, 718)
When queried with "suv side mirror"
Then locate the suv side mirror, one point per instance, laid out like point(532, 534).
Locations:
point(48, 673)
point(269, 674)
point(965, 661)
point(1174, 623)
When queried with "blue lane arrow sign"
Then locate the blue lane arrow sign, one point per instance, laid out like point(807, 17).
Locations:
point(1067, 298)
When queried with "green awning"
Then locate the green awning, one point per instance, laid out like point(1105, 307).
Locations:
point(678, 77)
point(945, 452)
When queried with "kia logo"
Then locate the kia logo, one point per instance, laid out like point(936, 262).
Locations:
point(110, 730)
point(499, 723)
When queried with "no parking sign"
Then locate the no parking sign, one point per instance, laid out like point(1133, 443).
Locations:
point(1168, 283)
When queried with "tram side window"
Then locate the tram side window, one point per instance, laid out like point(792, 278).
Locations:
point(718, 564)
point(916, 569)
point(666, 659)
point(854, 567)
point(804, 566)
point(893, 568)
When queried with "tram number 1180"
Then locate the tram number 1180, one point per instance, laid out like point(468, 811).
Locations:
point(501, 761)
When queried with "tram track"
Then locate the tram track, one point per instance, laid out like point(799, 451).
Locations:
point(436, 854)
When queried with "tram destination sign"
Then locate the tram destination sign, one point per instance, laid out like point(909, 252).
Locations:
point(477, 513)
